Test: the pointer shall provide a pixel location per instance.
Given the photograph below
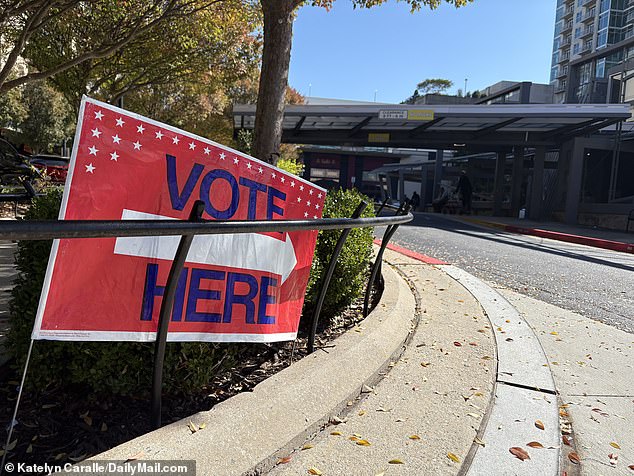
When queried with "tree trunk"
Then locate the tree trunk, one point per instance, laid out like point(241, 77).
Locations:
point(276, 57)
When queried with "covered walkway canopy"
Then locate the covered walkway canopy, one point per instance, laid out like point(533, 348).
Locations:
point(475, 127)
point(499, 128)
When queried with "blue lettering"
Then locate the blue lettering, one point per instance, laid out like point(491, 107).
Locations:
point(195, 294)
point(179, 199)
point(266, 298)
point(254, 188)
point(271, 207)
point(205, 188)
point(152, 290)
point(245, 299)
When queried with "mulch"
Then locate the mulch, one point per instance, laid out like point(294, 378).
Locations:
point(58, 425)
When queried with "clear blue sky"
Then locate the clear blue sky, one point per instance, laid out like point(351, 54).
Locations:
point(348, 54)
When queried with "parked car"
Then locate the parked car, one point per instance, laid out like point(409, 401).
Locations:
point(54, 166)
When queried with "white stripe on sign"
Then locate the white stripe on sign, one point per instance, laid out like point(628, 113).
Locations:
point(240, 250)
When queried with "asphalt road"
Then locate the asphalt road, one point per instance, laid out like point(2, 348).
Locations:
point(596, 283)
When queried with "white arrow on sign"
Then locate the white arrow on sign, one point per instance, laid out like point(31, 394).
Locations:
point(239, 250)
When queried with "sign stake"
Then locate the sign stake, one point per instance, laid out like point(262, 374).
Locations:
point(17, 405)
point(165, 314)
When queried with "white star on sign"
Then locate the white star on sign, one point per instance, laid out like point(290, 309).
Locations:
point(159, 135)
point(273, 175)
point(90, 168)
point(235, 160)
point(96, 132)
point(192, 146)
point(206, 150)
point(260, 169)
point(120, 122)
point(116, 139)
point(137, 145)
point(305, 214)
point(222, 156)
point(310, 191)
point(315, 217)
point(114, 156)
point(93, 150)
point(301, 188)
point(249, 165)
point(175, 140)
point(308, 204)
point(98, 115)
point(299, 199)
point(316, 206)
point(292, 184)
point(282, 179)
point(140, 128)
point(319, 196)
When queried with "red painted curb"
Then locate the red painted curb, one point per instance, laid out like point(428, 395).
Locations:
point(581, 240)
point(411, 254)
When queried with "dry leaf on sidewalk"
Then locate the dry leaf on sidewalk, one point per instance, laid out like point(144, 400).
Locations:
point(453, 457)
point(519, 453)
point(535, 444)
point(574, 457)
point(539, 424)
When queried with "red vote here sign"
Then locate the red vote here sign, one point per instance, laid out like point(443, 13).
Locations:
point(234, 288)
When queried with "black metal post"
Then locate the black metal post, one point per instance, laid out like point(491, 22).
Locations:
point(376, 267)
point(328, 277)
point(165, 314)
point(378, 212)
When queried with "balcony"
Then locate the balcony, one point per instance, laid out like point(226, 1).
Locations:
point(564, 57)
point(586, 48)
point(560, 87)
point(589, 16)
point(567, 27)
point(588, 2)
point(568, 12)
point(587, 32)
point(564, 43)
point(563, 72)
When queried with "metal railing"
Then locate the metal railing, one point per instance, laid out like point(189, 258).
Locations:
point(72, 229)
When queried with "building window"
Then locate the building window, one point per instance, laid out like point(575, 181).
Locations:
point(575, 48)
point(604, 6)
point(578, 17)
point(602, 39)
point(600, 69)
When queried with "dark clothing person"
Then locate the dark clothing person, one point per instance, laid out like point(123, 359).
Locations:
point(465, 190)
point(415, 201)
point(442, 200)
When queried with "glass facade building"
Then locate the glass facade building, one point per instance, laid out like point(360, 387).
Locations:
point(592, 48)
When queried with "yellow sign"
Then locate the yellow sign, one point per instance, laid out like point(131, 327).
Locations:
point(420, 115)
point(379, 137)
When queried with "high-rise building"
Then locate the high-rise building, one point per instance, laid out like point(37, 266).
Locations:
point(593, 51)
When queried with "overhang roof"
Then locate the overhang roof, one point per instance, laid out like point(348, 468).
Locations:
point(484, 127)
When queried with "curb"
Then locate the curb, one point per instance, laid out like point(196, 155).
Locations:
point(555, 235)
point(249, 432)
point(410, 254)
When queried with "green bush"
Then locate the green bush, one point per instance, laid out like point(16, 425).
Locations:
point(353, 263)
point(120, 368)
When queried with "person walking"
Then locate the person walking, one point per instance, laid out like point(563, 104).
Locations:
point(466, 190)
point(415, 201)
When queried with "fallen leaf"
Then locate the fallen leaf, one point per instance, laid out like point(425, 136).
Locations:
point(519, 453)
point(193, 428)
point(535, 444)
point(29, 449)
point(59, 456)
point(381, 409)
point(307, 447)
point(135, 457)
point(615, 445)
point(335, 433)
point(631, 467)
point(474, 415)
point(285, 460)
point(395, 461)
point(554, 333)
point(566, 440)
point(414, 437)
point(539, 424)
point(87, 420)
point(574, 457)
point(49, 405)
point(361, 413)
point(203, 426)
point(104, 427)
point(563, 413)
point(12, 445)
point(425, 364)
point(478, 441)
point(363, 443)
point(474, 344)
point(453, 457)
point(314, 471)
point(335, 420)
point(457, 344)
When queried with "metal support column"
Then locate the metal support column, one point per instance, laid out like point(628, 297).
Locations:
point(498, 187)
point(537, 189)
point(573, 182)
point(401, 185)
point(516, 180)
point(438, 172)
